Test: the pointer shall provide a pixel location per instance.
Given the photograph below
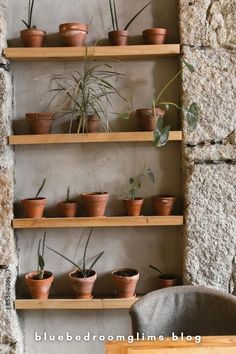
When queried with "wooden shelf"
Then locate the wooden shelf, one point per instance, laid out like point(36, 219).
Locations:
point(89, 138)
point(76, 53)
point(111, 221)
point(75, 304)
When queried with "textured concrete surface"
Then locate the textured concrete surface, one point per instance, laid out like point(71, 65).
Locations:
point(208, 23)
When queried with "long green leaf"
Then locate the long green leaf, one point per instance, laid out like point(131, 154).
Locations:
point(69, 260)
point(40, 188)
point(136, 15)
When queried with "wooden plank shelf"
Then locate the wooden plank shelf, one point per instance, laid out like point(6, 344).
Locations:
point(74, 304)
point(107, 221)
point(89, 138)
point(105, 52)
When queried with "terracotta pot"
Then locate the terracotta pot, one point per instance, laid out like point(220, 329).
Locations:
point(39, 289)
point(163, 204)
point(33, 37)
point(93, 124)
point(167, 280)
point(95, 203)
point(133, 207)
point(147, 118)
point(73, 34)
point(68, 209)
point(125, 281)
point(34, 208)
point(118, 38)
point(83, 287)
point(154, 36)
point(40, 123)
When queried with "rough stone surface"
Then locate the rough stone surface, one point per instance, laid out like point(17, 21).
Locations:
point(210, 152)
point(210, 238)
point(208, 23)
point(3, 28)
point(213, 87)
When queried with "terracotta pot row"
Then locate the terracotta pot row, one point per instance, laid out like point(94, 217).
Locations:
point(95, 205)
point(74, 35)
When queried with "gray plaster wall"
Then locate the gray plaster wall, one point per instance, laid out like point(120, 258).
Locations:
point(94, 167)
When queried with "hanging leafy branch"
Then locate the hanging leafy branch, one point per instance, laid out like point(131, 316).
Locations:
point(136, 182)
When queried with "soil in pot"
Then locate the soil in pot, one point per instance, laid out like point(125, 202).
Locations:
point(68, 209)
point(83, 287)
point(73, 34)
point(125, 281)
point(147, 118)
point(34, 207)
point(133, 207)
point(154, 36)
point(33, 37)
point(95, 203)
point(40, 123)
point(93, 124)
point(39, 289)
point(163, 204)
point(167, 280)
point(118, 38)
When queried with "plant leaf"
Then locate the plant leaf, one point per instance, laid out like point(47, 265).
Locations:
point(131, 180)
point(189, 66)
point(191, 115)
point(40, 188)
point(41, 262)
point(95, 261)
point(69, 260)
point(135, 16)
point(161, 136)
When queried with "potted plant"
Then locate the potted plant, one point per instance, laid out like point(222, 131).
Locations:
point(86, 95)
point(68, 208)
point(40, 281)
point(95, 203)
point(120, 37)
point(165, 280)
point(163, 204)
point(125, 281)
point(154, 35)
point(73, 34)
point(83, 277)
point(32, 37)
point(133, 204)
point(34, 207)
point(40, 123)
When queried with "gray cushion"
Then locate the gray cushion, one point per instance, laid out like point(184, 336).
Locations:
point(193, 310)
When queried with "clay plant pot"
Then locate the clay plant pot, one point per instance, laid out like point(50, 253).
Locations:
point(147, 118)
point(154, 36)
point(73, 34)
point(163, 204)
point(167, 280)
point(33, 37)
point(40, 123)
point(83, 287)
point(34, 207)
point(125, 281)
point(133, 207)
point(93, 124)
point(39, 289)
point(68, 209)
point(95, 203)
point(118, 38)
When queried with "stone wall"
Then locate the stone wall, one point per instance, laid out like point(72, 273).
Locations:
point(208, 36)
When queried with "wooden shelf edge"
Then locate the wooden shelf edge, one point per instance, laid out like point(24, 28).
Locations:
point(89, 138)
point(116, 221)
point(103, 52)
point(74, 304)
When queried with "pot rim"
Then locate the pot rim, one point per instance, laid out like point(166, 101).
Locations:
point(68, 202)
point(124, 269)
point(76, 270)
point(33, 30)
point(164, 196)
point(121, 32)
point(28, 276)
point(73, 26)
point(170, 277)
point(91, 194)
point(35, 199)
point(154, 30)
point(134, 200)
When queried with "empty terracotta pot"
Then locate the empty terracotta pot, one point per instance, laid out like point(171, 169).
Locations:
point(147, 118)
point(163, 204)
point(118, 38)
point(167, 280)
point(34, 207)
point(133, 207)
point(83, 287)
point(95, 203)
point(33, 37)
point(93, 124)
point(154, 36)
point(68, 209)
point(73, 34)
point(40, 123)
point(39, 289)
point(125, 281)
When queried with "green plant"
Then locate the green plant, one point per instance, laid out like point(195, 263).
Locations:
point(28, 23)
point(156, 269)
point(68, 194)
point(41, 262)
point(136, 182)
point(114, 18)
point(82, 267)
point(86, 92)
point(40, 188)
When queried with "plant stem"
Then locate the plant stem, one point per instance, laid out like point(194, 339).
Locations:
point(167, 85)
point(158, 270)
